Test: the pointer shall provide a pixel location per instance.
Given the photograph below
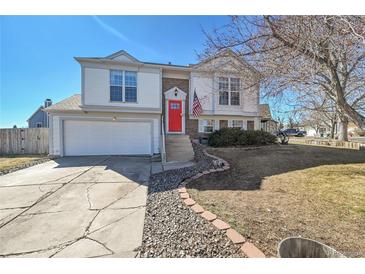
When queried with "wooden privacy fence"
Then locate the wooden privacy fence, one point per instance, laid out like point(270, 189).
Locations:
point(24, 141)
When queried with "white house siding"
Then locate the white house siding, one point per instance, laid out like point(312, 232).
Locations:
point(202, 84)
point(56, 146)
point(55, 136)
point(96, 89)
point(206, 87)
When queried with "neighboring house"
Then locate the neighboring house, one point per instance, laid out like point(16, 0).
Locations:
point(267, 122)
point(125, 102)
point(354, 130)
point(40, 118)
point(321, 130)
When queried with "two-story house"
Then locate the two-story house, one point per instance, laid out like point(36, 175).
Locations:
point(124, 103)
point(39, 118)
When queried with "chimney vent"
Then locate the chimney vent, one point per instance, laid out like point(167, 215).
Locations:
point(47, 103)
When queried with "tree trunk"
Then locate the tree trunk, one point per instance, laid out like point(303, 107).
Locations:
point(333, 130)
point(343, 123)
point(333, 127)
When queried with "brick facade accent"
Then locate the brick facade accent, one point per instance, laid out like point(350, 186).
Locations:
point(191, 126)
point(223, 123)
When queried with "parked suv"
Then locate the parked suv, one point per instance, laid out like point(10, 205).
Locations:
point(295, 132)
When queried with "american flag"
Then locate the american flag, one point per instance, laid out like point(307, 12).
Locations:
point(197, 107)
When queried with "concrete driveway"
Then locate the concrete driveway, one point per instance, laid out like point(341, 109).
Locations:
point(74, 207)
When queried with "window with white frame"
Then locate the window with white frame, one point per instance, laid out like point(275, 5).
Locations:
point(229, 91)
point(116, 85)
point(236, 123)
point(123, 86)
point(223, 84)
point(130, 86)
point(234, 84)
point(206, 126)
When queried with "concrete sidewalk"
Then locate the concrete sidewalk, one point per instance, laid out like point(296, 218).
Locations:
point(74, 207)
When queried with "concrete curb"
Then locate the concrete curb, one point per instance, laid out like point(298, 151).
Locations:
point(249, 249)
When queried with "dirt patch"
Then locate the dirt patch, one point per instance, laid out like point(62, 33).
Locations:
point(10, 162)
point(279, 191)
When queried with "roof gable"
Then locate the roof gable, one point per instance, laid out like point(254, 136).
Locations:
point(123, 56)
point(70, 103)
point(35, 112)
point(225, 61)
point(264, 110)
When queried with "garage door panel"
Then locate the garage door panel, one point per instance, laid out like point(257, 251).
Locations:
point(106, 138)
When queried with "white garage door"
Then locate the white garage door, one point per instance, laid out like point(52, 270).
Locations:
point(106, 138)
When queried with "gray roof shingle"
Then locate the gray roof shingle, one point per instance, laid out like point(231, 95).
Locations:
point(70, 103)
point(264, 110)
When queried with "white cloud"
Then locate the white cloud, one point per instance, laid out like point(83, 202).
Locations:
point(110, 29)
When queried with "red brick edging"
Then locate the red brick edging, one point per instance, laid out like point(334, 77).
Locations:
point(249, 249)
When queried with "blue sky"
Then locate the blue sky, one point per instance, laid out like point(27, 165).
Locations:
point(36, 52)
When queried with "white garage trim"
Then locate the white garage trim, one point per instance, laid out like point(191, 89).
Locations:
point(103, 119)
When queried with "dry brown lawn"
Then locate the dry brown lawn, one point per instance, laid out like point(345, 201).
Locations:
point(274, 192)
point(12, 161)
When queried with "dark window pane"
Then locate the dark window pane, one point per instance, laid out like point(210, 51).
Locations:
point(130, 94)
point(223, 83)
point(235, 98)
point(131, 79)
point(116, 93)
point(235, 84)
point(223, 97)
point(116, 78)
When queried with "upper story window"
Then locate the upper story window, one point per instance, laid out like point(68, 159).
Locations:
point(130, 86)
point(235, 91)
point(223, 83)
point(123, 86)
point(116, 85)
point(229, 91)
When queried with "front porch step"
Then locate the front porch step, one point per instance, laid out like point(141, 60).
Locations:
point(179, 148)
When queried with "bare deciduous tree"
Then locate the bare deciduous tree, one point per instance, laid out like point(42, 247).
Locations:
point(302, 53)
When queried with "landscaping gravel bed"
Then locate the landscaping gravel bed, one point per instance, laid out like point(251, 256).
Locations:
point(172, 229)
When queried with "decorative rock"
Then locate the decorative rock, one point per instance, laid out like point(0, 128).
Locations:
point(182, 190)
point(252, 251)
point(197, 208)
point(209, 216)
point(189, 202)
point(171, 229)
point(220, 224)
point(235, 237)
point(206, 172)
point(184, 195)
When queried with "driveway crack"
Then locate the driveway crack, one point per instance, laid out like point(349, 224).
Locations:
point(102, 244)
point(52, 192)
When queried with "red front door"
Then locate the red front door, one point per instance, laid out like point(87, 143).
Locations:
point(175, 115)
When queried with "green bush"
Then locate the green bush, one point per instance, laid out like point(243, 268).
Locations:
point(238, 137)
